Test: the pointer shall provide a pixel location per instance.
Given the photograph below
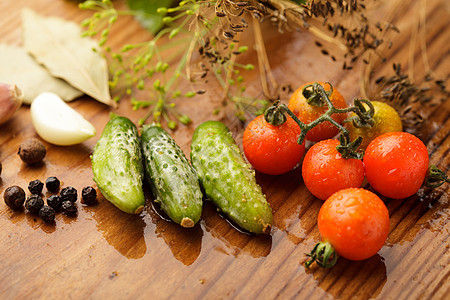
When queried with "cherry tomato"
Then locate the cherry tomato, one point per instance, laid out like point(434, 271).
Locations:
point(272, 149)
point(325, 172)
point(396, 164)
point(386, 120)
point(355, 222)
point(307, 113)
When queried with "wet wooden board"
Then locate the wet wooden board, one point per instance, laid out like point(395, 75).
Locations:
point(106, 254)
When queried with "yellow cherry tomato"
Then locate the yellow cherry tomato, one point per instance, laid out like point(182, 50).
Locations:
point(386, 120)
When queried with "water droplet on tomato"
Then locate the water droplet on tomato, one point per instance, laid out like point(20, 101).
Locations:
point(391, 171)
point(328, 151)
point(351, 176)
point(350, 201)
point(351, 212)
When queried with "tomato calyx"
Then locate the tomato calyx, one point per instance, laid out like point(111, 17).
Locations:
point(435, 177)
point(363, 117)
point(323, 254)
point(349, 149)
point(274, 115)
point(313, 95)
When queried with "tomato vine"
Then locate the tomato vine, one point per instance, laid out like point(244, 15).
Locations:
point(316, 95)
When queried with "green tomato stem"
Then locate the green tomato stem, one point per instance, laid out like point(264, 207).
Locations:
point(348, 149)
point(364, 117)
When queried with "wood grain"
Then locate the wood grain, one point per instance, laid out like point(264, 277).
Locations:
point(104, 253)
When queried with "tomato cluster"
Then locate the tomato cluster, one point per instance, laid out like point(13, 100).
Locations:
point(354, 221)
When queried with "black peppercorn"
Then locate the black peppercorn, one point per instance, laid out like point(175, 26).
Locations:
point(68, 194)
point(52, 184)
point(32, 151)
point(55, 202)
point(14, 197)
point(69, 208)
point(35, 187)
point(89, 195)
point(47, 214)
point(34, 203)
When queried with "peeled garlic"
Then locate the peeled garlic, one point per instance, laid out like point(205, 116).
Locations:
point(10, 101)
point(58, 123)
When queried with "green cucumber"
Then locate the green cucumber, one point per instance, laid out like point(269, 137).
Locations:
point(227, 180)
point(117, 165)
point(173, 181)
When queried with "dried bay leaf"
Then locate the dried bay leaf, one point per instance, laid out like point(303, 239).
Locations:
point(59, 46)
point(19, 68)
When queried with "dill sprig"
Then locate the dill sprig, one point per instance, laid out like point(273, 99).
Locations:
point(202, 37)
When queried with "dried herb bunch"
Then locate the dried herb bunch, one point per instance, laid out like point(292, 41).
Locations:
point(414, 97)
point(412, 101)
point(345, 25)
point(204, 40)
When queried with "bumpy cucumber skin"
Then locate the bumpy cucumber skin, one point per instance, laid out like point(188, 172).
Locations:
point(117, 165)
point(173, 180)
point(227, 180)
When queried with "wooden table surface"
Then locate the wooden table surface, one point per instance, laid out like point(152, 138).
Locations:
point(104, 253)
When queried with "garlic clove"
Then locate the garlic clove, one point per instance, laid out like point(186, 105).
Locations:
point(58, 123)
point(10, 101)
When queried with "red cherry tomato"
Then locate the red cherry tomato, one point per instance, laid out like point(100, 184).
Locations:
point(272, 149)
point(307, 113)
point(355, 222)
point(396, 164)
point(325, 172)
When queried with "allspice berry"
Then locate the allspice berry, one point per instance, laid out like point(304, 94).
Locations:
point(14, 197)
point(32, 151)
